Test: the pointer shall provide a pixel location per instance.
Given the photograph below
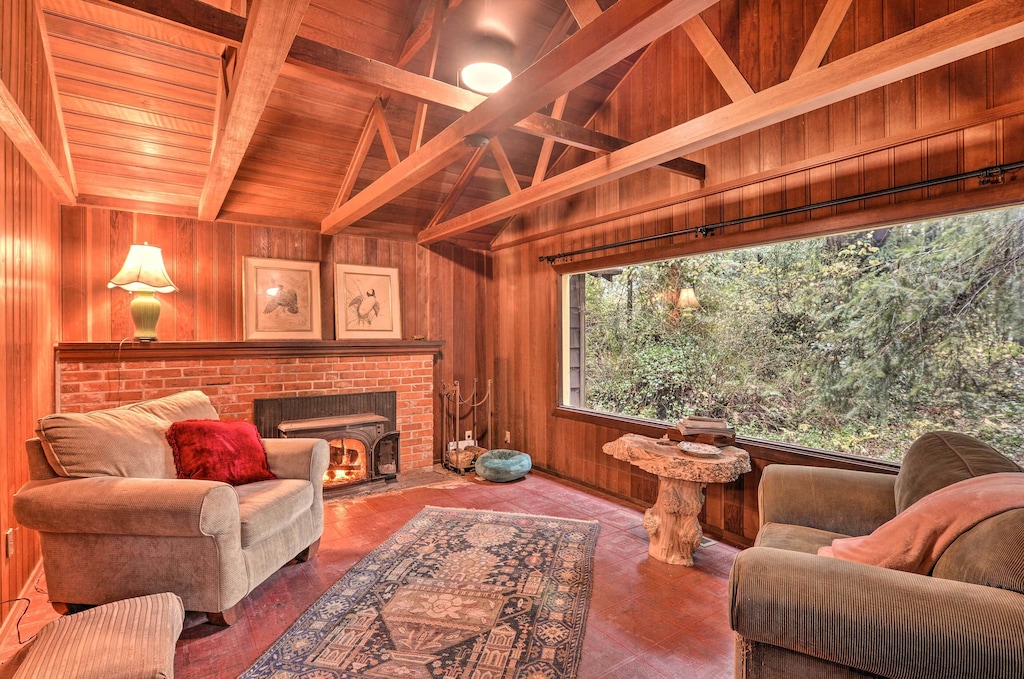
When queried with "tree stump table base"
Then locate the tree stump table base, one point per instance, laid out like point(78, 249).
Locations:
point(672, 522)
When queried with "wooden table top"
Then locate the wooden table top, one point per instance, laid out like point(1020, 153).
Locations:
point(663, 458)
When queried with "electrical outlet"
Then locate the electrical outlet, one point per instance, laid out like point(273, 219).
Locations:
point(469, 435)
point(10, 542)
point(508, 436)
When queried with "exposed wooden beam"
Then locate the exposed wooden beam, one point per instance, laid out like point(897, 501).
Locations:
point(19, 130)
point(584, 11)
point(55, 94)
point(617, 33)
point(557, 34)
point(420, 120)
point(269, 32)
point(358, 156)
point(460, 184)
point(420, 35)
point(980, 27)
point(390, 149)
point(507, 173)
point(821, 37)
point(548, 145)
point(312, 59)
point(733, 82)
point(984, 117)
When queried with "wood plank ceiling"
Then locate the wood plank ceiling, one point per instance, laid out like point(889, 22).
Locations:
point(328, 116)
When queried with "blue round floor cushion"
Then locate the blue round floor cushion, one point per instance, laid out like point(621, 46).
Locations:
point(503, 465)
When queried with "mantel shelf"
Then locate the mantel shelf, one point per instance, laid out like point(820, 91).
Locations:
point(176, 351)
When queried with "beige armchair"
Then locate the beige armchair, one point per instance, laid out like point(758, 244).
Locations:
point(797, 614)
point(115, 523)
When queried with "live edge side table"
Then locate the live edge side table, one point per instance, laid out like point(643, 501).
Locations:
point(672, 521)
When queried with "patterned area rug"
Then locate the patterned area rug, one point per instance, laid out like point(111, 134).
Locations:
point(454, 594)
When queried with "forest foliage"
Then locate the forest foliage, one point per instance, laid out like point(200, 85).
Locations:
point(856, 343)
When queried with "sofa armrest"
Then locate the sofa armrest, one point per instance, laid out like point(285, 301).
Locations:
point(836, 500)
point(305, 459)
point(886, 622)
point(127, 506)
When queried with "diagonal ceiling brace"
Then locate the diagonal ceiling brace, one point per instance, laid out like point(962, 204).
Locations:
point(985, 25)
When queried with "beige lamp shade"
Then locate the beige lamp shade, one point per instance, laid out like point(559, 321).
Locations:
point(143, 271)
point(688, 299)
point(143, 274)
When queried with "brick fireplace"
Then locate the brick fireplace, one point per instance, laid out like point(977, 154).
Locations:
point(235, 374)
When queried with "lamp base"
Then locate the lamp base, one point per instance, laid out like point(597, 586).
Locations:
point(145, 308)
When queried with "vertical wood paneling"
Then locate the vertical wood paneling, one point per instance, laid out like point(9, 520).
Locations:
point(29, 281)
point(444, 291)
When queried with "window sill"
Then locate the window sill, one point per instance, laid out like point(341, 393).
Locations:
point(770, 451)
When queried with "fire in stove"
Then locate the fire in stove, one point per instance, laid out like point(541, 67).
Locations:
point(348, 462)
point(361, 447)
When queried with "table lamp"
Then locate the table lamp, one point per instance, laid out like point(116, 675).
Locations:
point(143, 274)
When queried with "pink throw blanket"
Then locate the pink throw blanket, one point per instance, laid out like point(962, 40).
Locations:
point(917, 537)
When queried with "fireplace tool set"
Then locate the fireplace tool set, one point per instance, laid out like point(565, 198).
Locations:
point(460, 455)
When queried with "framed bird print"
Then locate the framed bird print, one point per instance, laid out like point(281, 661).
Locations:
point(281, 299)
point(367, 302)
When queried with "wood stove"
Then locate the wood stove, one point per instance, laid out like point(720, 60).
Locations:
point(371, 416)
point(363, 449)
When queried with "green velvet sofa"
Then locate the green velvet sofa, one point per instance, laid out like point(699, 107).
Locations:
point(797, 614)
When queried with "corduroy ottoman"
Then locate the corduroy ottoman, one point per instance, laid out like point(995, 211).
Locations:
point(127, 639)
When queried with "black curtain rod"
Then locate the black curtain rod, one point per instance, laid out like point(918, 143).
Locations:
point(993, 174)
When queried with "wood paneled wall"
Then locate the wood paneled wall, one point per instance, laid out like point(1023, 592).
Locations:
point(29, 227)
point(960, 117)
point(443, 290)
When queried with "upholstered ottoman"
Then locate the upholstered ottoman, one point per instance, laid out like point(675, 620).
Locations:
point(501, 465)
point(127, 639)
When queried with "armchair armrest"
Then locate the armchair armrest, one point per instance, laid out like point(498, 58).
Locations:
point(306, 459)
point(836, 500)
point(127, 506)
point(874, 619)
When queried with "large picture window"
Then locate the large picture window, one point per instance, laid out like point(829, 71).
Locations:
point(856, 343)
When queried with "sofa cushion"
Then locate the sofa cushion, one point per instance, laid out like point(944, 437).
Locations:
point(114, 442)
point(185, 405)
point(211, 450)
point(127, 441)
point(127, 639)
point(989, 554)
point(940, 458)
point(795, 538)
point(268, 506)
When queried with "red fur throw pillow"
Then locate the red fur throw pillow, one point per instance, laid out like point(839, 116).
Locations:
point(214, 450)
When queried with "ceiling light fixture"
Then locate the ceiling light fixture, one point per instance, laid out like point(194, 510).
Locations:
point(489, 70)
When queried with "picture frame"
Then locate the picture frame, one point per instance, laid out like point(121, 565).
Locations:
point(367, 302)
point(281, 299)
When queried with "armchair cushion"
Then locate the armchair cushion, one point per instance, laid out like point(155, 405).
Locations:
point(127, 441)
point(211, 450)
point(941, 458)
point(265, 507)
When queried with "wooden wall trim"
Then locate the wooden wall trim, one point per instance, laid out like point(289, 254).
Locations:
point(177, 351)
point(763, 449)
point(988, 198)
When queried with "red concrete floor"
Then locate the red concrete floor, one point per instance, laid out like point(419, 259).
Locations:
point(647, 619)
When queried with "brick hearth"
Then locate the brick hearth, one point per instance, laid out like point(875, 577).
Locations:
point(233, 382)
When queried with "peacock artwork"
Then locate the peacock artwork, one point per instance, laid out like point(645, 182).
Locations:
point(367, 299)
